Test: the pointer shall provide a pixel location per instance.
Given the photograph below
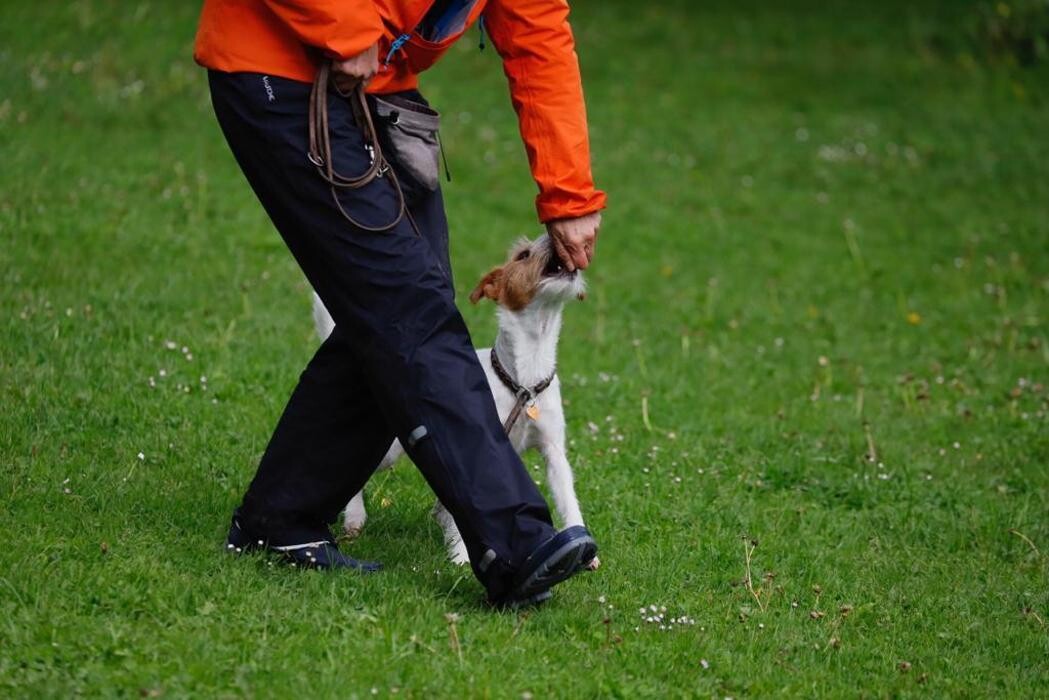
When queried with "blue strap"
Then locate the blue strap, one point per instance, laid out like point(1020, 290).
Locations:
point(396, 46)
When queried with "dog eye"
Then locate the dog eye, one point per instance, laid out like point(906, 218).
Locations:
point(523, 254)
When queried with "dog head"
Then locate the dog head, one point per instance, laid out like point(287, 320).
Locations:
point(532, 274)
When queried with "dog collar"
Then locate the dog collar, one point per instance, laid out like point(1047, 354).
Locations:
point(525, 395)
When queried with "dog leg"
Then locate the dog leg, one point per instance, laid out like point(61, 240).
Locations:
point(562, 487)
point(354, 517)
point(452, 539)
point(322, 320)
point(392, 455)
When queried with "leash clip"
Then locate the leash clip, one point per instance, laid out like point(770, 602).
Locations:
point(384, 166)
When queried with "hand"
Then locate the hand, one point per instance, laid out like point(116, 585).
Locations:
point(575, 240)
point(356, 69)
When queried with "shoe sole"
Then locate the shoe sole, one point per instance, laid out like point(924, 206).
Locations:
point(312, 564)
point(564, 563)
point(531, 601)
point(248, 546)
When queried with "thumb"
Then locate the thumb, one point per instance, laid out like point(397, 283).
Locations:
point(579, 257)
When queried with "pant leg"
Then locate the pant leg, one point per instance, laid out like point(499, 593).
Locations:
point(428, 212)
point(389, 294)
point(296, 493)
point(327, 443)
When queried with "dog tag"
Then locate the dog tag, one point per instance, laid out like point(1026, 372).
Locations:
point(533, 412)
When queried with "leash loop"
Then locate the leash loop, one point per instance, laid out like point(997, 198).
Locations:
point(320, 147)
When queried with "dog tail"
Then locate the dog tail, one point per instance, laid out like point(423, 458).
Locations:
point(322, 320)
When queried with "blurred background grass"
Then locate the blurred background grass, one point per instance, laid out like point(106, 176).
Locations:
point(827, 232)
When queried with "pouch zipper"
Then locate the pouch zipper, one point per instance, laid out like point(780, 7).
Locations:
point(396, 46)
point(406, 36)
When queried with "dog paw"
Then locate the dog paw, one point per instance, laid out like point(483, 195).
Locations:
point(458, 555)
point(351, 531)
point(593, 564)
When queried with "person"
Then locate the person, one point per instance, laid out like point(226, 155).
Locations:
point(400, 362)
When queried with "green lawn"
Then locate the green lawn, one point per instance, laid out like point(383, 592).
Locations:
point(828, 234)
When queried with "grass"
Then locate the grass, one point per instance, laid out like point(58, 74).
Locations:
point(815, 346)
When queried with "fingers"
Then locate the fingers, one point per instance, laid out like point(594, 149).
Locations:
point(580, 257)
point(575, 240)
point(348, 79)
point(573, 255)
point(344, 82)
point(591, 248)
point(582, 249)
point(357, 69)
point(562, 253)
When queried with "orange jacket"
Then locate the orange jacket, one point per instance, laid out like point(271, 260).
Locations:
point(286, 37)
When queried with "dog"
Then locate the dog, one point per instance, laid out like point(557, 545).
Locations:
point(530, 290)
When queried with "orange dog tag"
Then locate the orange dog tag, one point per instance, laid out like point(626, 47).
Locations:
point(533, 412)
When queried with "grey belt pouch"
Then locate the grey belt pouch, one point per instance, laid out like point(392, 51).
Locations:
point(409, 132)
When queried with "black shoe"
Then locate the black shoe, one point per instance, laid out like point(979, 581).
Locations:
point(532, 601)
point(559, 558)
point(239, 542)
point(324, 555)
point(317, 555)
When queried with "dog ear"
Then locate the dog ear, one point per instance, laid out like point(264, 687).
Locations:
point(490, 286)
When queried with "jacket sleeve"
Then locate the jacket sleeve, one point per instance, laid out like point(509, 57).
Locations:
point(538, 51)
point(339, 28)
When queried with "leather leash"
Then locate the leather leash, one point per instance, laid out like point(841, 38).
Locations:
point(525, 395)
point(320, 147)
point(320, 155)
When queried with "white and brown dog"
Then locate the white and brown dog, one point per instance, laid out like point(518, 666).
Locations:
point(530, 289)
